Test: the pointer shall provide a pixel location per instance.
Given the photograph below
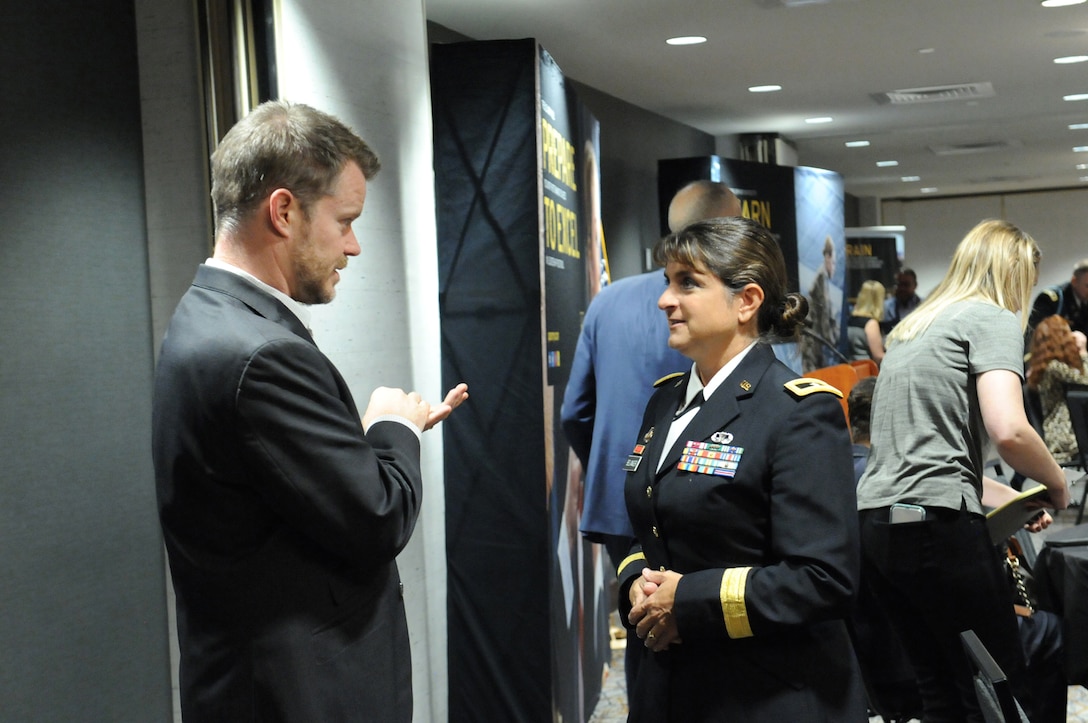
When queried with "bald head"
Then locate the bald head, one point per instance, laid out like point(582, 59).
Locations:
point(700, 200)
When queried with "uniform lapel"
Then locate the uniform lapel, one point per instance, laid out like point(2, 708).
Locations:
point(660, 430)
point(723, 407)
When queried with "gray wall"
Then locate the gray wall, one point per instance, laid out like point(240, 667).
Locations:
point(83, 622)
point(1056, 219)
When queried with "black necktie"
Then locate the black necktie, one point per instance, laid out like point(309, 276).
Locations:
point(695, 402)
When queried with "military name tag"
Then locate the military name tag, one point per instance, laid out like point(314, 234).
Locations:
point(709, 458)
point(632, 463)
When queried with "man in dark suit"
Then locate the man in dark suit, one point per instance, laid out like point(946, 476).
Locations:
point(282, 510)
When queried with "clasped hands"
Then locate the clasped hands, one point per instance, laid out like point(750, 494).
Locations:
point(411, 406)
point(652, 597)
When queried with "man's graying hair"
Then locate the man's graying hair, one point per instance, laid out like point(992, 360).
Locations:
point(282, 145)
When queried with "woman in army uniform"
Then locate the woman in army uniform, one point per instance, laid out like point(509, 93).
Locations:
point(740, 490)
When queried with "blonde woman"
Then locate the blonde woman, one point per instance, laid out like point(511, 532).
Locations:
point(863, 328)
point(951, 378)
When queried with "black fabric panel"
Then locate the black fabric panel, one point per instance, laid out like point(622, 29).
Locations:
point(484, 106)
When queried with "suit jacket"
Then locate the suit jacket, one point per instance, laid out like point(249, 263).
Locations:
point(281, 518)
point(765, 535)
point(623, 347)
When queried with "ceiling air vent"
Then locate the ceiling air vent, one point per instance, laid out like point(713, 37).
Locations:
point(963, 91)
point(959, 149)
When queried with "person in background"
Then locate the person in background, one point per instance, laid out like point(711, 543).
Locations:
point(282, 509)
point(1069, 300)
point(903, 301)
point(1057, 359)
point(623, 347)
point(880, 651)
point(951, 380)
point(699, 201)
point(823, 320)
point(746, 557)
point(859, 403)
point(863, 327)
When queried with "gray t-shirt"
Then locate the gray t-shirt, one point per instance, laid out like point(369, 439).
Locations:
point(927, 430)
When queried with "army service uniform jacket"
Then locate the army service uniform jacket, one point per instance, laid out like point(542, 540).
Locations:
point(763, 528)
point(1061, 300)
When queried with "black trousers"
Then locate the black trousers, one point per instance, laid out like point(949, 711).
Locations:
point(935, 579)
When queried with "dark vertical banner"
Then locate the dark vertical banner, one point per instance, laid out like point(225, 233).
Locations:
point(803, 208)
point(486, 156)
point(518, 204)
point(872, 253)
point(574, 269)
point(564, 252)
point(821, 255)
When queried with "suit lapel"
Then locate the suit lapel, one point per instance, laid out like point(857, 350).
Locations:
point(723, 407)
point(256, 299)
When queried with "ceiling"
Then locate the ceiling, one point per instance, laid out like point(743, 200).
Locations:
point(831, 58)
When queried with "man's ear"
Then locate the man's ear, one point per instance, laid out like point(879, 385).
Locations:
point(283, 210)
point(749, 300)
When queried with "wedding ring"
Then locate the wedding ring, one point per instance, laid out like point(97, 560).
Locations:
point(650, 635)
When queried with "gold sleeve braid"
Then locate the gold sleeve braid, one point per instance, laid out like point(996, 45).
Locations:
point(630, 560)
point(734, 610)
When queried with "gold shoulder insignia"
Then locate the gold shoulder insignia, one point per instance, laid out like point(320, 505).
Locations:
point(666, 378)
point(807, 385)
point(1052, 294)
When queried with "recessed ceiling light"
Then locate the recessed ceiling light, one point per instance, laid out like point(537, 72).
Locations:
point(1060, 3)
point(819, 119)
point(1076, 96)
point(926, 51)
point(764, 88)
point(886, 164)
point(1084, 178)
point(686, 40)
point(911, 179)
point(1069, 59)
point(1080, 149)
point(1082, 166)
point(856, 144)
point(928, 189)
point(1078, 126)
